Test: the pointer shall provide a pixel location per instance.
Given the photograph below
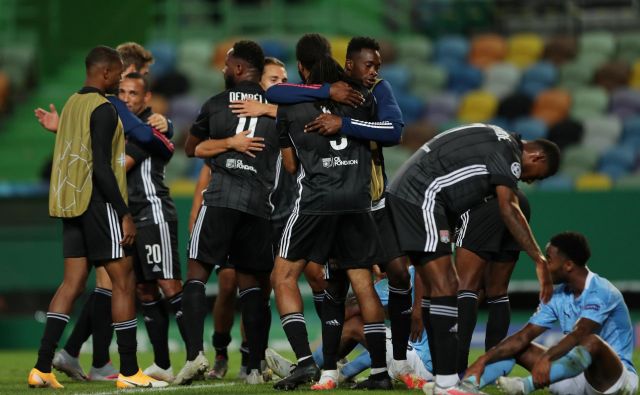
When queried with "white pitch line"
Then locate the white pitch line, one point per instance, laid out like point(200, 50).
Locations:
point(169, 388)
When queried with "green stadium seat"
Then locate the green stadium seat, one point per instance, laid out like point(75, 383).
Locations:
point(600, 44)
point(578, 160)
point(576, 74)
point(629, 181)
point(601, 133)
point(628, 47)
point(414, 49)
point(501, 79)
point(588, 102)
point(426, 79)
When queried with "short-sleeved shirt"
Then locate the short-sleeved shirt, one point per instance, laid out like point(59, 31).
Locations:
point(601, 302)
point(460, 167)
point(239, 181)
point(335, 171)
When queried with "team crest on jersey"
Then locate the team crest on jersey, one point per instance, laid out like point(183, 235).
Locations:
point(444, 236)
point(327, 162)
point(516, 169)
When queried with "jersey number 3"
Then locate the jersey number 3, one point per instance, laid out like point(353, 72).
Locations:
point(339, 145)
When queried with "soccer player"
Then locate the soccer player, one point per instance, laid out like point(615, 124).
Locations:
point(595, 355)
point(88, 191)
point(331, 219)
point(448, 175)
point(486, 254)
point(363, 62)
point(232, 224)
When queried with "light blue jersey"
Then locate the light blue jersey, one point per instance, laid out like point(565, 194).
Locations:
point(601, 302)
point(382, 287)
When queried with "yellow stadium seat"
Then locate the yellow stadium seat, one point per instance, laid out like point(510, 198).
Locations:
point(594, 182)
point(339, 49)
point(635, 75)
point(524, 49)
point(478, 106)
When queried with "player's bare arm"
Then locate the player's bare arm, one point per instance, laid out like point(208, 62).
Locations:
point(519, 228)
point(324, 124)
point(342, 92)
point(582, 329)
point(241, 142)
point(252, 108)
point(201, 185)
point(190, 145)
point(507, 348)
point(289, 160)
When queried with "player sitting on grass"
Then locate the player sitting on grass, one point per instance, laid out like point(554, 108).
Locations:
point(595, 356)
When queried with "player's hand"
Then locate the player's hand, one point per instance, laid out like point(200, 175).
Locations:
point(324, 124)
point(378, 275)
point(544, 278)
point(540, 372)
point(417, 327)
point(48, 119)
point(128, 230)
point(159, 122)
point(475, 370)
point(247, 145)
point(343, 93)
point(249, 108)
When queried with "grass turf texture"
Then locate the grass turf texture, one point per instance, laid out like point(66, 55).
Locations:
point(15, 366)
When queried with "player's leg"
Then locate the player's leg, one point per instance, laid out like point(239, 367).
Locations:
point(156, 320)
point(314, 273)
point(223, 316)
point(470, 268)
point(497, 276)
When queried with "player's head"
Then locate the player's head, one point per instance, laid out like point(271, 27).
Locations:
point(274, 73)
point(567, 251)
point(540, 159)
point(244, 62)
point(134, 91)
point(310, 49)
point(363, 60)
point(104, 68)
point(135, 57)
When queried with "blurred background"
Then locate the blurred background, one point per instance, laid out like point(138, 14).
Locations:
point(566, 70)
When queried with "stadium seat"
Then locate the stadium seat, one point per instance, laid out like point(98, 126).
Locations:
point(560, 49)
point(220, 52)
point(501, 79)
point(412, 107)
point(576, 74)
point(441, 108)
point(594, 182)
point(339, 48)
point(629, 181)
point(625, 103)
point(566, 133)
point(478, 106)
point(165, 57)
point(577, 160)
point(524, 49)
point(631, 126)
point(552, 106)
point(628, 47)
point(601, 133)
point(426, 79)
point(397, 75)
point(619, 156)
point(514, 106)
point(612, 75)
point(487, 49)
point(414, 49)
point(538, 77)
point(277, 49)
point(558, 182)
point(635, 75)
point(530, 128)
point(463, 78)
point(588, 102)
point(451, 50)
point(600, 44)
point(504, 123)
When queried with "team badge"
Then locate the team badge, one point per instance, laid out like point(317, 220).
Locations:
point(327, 162)
point(444, 236)
point(516, 169)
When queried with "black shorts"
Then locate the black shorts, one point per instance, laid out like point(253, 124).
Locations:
point(223, 236)
point(482, 231)
point(389, 244)
point(156, 256)
point(96, 235)
point(423, 234)
point(350, 239)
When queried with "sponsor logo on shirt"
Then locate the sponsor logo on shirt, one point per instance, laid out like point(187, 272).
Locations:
point(594, 307)
point(238, 164)
point(337, 161)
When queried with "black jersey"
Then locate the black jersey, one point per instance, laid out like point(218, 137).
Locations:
point(335, 172)
point(460, 167)
point(239, 181)
point(149, 199)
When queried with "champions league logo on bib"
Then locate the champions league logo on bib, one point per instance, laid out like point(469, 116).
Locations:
point(516, 169)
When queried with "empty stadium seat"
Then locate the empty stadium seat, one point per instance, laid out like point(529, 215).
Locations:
point(426, 79)
point(566, 133)
point(552, 106)
point(487, 49)
point(451, 50)
point(625, 103)
point(501, 79)
point(397, 75)
point(622, 157)
point(631, 126)
point(524, 49)
point(277, 49)
point(415, 49)
point(576, 74)
point(588, 102)
point(165, 57)
point(530, 128)
point(612, 75)
point(478, 106)
point(538, 77)
point(560, 49)
point(578, 160)
point(635, 75)
point(463, 78)
point(601, 133)
point(594, 182)
point(629, 181)
point(628, 47)
point(339, 48)
point(412, 107)
point(558, 182)
point(441, 108)
point(600, 44)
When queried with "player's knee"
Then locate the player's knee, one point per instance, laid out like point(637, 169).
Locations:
point(73, 288)
point(147, 292)
point(170, 288)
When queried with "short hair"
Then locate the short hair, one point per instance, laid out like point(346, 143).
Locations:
point(138, 76)
point(552, 154)
point(101, 55)
point(134, 54)
point(357, 44)
point(572, 245)
point(270, 60)
point(311, 48)
point(250, 52)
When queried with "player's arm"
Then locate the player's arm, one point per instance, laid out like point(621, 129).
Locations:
point(240, 142)
point(48, 119)
point(287, 93)
point(289, 160)
point(253, 108)
point(203, 180)
point(103, 124)
point(134, 154)
point(517, 224)
point(134, 128)
point(161, 124)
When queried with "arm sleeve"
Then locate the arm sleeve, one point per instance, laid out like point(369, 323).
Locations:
point(134, 128)
point(296, 93)
point(200, 127)
point(545, 316)
point(597, 307)
point(504, 167)
point(160, 145)
point(133, 150)
point(282, 125)
point(104, 121)
point(389, 128)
